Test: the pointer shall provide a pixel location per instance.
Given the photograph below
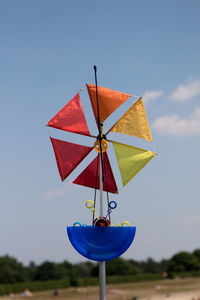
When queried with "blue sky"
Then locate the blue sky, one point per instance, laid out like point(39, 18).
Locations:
point(147, 48)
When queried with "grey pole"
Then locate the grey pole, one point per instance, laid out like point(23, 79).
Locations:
point(102, 264)
point(102, 280)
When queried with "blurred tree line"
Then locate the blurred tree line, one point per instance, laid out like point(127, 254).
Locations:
point(12, 271)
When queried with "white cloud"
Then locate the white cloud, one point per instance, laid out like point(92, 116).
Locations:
point(151, 95)
point(53, 194)
point(174, 125)
point(184, 93)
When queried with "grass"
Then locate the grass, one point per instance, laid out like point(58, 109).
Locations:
point(158, 289)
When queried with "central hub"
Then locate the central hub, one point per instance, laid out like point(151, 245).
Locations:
point(104, 145)
point(101, 222)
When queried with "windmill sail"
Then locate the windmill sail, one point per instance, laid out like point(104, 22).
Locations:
point(134, 122)
point(109, 100)
point(71, 117)
point(131, 160)
point(68, 156)
point(90, 176)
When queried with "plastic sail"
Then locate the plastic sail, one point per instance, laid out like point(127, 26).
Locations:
point(109, 100)
point(71, 118)
point(91, 178)
point(134, 122)
point(68, 156)
point(131, 160)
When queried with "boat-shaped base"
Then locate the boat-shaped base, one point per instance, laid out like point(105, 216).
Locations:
point(101, 243)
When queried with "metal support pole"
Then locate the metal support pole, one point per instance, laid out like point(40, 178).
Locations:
point(102, 280)
point(101, 190)
point(102, 264)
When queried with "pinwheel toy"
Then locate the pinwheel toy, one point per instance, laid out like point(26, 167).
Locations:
point(101, 241)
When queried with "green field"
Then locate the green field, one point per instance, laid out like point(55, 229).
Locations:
point(177, 289)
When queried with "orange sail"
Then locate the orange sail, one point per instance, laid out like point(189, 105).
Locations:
point(109, 100)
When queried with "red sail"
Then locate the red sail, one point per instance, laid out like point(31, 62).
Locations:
point(71, 118)
point(68, 156)
point(90, 177)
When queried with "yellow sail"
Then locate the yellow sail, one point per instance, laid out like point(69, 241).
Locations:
point(134, 122)
point(131, 160)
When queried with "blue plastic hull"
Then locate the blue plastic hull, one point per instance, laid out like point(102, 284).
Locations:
point(101, 243)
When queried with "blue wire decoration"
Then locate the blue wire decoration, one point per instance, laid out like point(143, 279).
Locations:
point(111, 205)
point(101, 243)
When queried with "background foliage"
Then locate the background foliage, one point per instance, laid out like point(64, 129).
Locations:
point(15, 277)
